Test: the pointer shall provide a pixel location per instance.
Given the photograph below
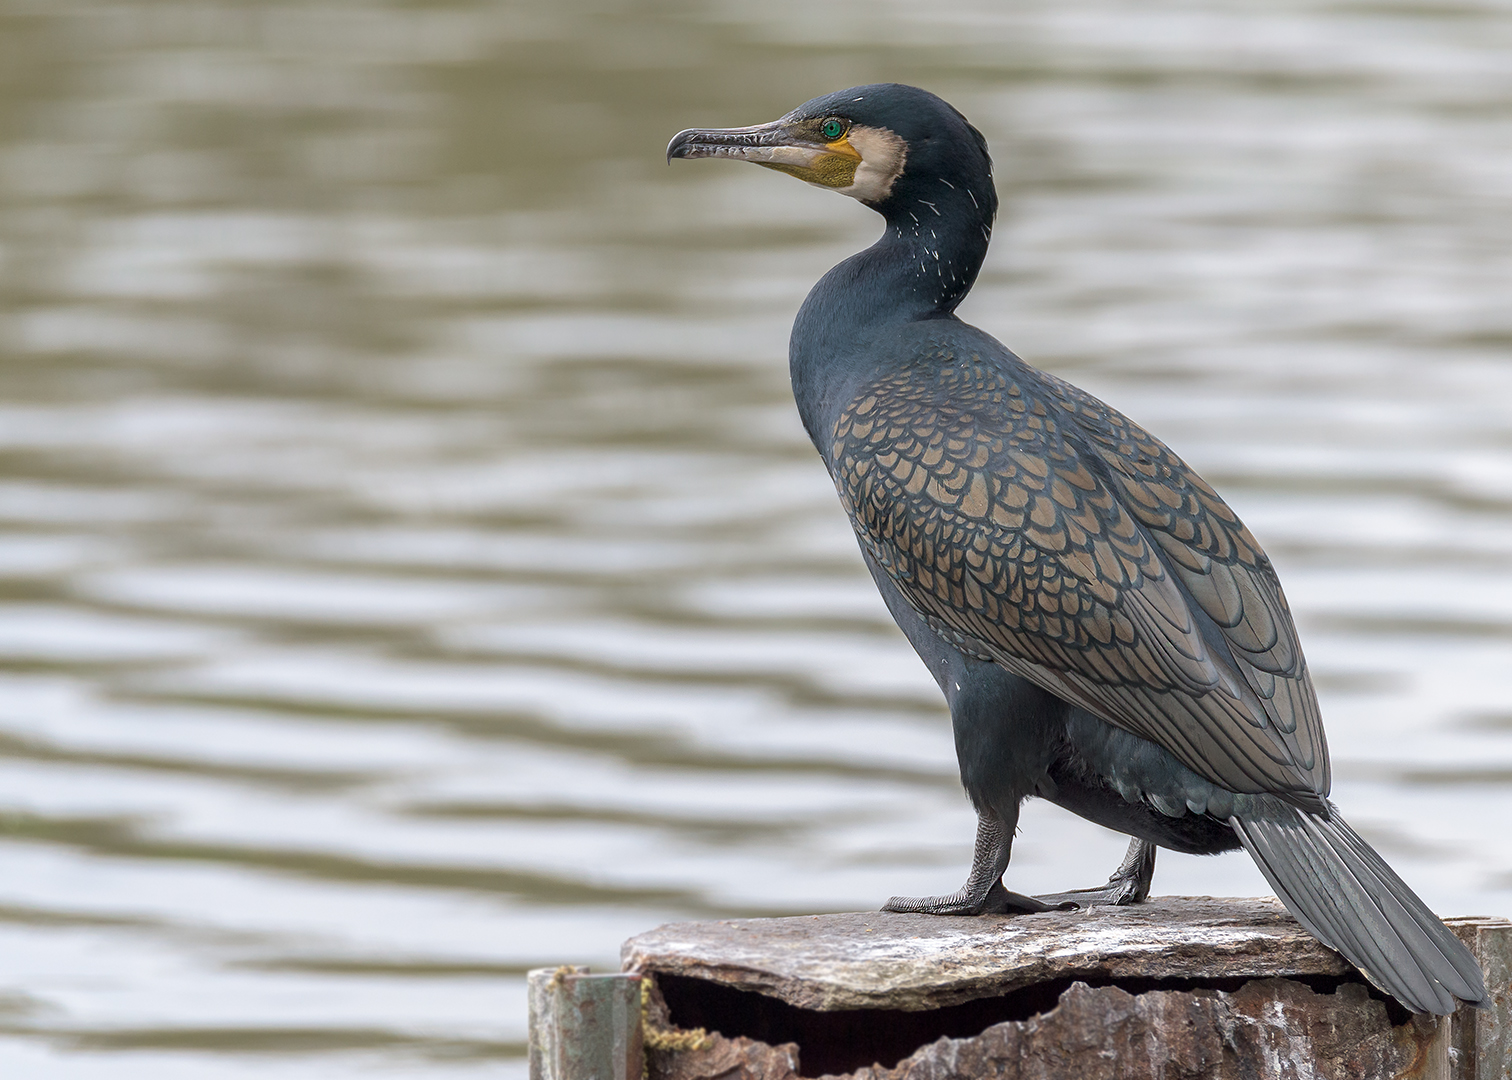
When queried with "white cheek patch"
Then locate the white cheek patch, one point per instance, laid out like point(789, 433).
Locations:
point(882, 157)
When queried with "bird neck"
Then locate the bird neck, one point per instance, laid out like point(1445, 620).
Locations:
point(938, 237)
point(922, 266)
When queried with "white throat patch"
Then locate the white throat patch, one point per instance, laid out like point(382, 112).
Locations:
point(882, 157)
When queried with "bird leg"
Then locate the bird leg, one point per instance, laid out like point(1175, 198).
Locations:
point(983, 892)
point(1130, 883)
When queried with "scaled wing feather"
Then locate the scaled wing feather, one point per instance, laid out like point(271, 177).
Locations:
point(1032, 525)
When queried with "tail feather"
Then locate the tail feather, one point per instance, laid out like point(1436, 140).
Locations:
point(1301, 883)
point(1331, 911)
point(1401, 941)
point(1471, 985)
point(1346, 896)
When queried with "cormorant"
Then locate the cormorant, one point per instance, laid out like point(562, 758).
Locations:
point(1108, 634)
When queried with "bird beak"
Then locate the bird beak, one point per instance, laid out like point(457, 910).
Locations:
point(791, 146)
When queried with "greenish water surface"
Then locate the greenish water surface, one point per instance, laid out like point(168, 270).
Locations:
point(412, 570)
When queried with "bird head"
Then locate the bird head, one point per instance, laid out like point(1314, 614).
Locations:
point(881, 144)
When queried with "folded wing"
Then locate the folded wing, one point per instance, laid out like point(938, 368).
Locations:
point(1032, 525)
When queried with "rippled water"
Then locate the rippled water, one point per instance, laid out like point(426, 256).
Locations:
point(412, 570)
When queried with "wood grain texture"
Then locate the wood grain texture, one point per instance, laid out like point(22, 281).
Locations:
point(882, 960)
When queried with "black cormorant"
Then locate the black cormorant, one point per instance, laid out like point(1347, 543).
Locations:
point(1108, 634)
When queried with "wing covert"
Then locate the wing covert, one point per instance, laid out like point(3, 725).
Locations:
point(1032, 525)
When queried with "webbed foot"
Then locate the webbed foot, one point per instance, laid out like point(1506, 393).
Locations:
point(997, 900)
point(1130, 883)
point(983, 892)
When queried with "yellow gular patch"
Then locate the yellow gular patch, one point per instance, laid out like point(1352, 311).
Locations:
point(837, 168)
point(842, 146)
point(833, 166)
point(863, 163)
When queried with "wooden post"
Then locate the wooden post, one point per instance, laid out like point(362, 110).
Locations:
point(1177, 987)
point(585, 1026)
point(1482, 1042)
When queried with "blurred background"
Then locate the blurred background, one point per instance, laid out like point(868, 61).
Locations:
point(412, 570)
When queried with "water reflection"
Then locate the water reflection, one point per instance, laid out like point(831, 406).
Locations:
point(411, 567)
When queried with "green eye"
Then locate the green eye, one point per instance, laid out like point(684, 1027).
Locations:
point(832, 129)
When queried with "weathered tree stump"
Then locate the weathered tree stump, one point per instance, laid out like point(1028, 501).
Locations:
point(1175, 988)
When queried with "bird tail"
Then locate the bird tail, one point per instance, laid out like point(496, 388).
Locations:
point(1349, 899)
